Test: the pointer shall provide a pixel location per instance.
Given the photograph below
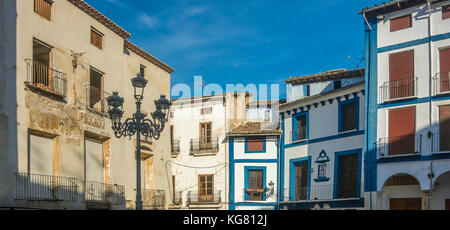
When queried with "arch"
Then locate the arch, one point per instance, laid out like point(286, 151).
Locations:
point(408, 179)
point(440, 176)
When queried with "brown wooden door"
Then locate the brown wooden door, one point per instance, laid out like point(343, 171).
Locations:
point(173, 187)
point(348, 176)
point(444, 128)
point(402, 131)
point(301, 180)
point(206, 188)
point(405, 204)
point(401, 74)
point(255, 185)
point(444, 57)
point(447, 204)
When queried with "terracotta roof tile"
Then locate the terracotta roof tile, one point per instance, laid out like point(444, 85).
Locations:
point(254, 128)
point(326, 76)
point(148, 56)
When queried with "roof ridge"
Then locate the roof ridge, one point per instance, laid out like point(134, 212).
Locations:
point(139, 51)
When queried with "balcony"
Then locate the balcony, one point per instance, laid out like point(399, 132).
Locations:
point(100, 195)
point(175, 147)
point(200, 147)
point(36, 187)
point(441, 83)
point(325, 192)
point(399, 146)
point(153, 199)
point(398, 89)
point(440, 143)
point(254, 194)
point(177, 199)
point(201, 198)
point(96, 100)
point(45, 79)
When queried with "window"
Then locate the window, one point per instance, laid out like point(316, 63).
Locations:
point(348, 176)
point(41, 154)
point(401, 130)
point(43, 8)
point(94, 161)
point(446, 12)
point(400, 23)
point(42, 76)
point(207, 110)
point(171, 136)
point(267, 115)
point(301, 180)
point(348, 112)
point(142, 70)
point(337, 84)
point(444, 128)
point(205, 133)
point(401, 74)
point(96, 90)
point(444, 75)
point(306, 90)
point(299, 127)
point(206, 188)
point(255, 186)
point(96, 38)
point(255, 144)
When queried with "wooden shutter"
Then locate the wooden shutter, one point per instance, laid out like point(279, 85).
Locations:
point(205, 132)
point(444, 57)
point(94, 161)
point(41, 155)
point(255, 187)
point(206, 187)
point(43, 8)
point(301, 180)
point(348, 176)
point(400, 23)
point(447, 204)
point(349, 116)
point(405, 204)
point(96, 38)
point(446, 12)
point(402, 130)
point(444, 128)
point(255, 144)
point(401, 74)
point(301, 127)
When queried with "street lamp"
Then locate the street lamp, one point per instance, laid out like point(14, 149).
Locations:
point(138, 124)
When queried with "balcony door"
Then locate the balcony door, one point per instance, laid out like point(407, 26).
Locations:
point(96, 90)
point(41, 65)
point(444, 57)
point(205, 135)
point(206, 188)
point(301, 180)
point(401, 74)
point(402, 130)
point(41, 155)
point(94, 161)
point(348, 176)
point(444, 128)
point(255, 184)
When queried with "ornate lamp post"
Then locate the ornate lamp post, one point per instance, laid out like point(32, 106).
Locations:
point(138, 124)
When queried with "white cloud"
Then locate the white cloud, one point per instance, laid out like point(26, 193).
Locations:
point(148, 21)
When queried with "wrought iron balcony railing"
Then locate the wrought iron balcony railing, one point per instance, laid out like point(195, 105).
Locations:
point(321, 192)
point(96, 99)
point(441, 83)
point(154, 198)
point(43, 77)
point(198, 198)
point(398, 89)
point(178, 199)
point(104, 193)
point(210, 145)
point(440, 142)
point(36, 187)
point(400, 145)
point(175, 145)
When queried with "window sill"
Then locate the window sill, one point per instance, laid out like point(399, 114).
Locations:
point(387, 101)
point(440, 153)
point(349, 131)
point(299, 141)
point(400, 156)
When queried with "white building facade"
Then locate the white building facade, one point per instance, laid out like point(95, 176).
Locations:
point(321, 160)
point(408, 104)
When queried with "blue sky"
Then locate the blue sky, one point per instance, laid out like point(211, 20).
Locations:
point(252, 41)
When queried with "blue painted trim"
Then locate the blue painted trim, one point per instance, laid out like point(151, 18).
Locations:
point(246, 146)
point(337, 175)
point(413, 42)
point(328, 138)
point(322, 158)
point(255, 204)
point(341, 115)
point(306, 90)
point(294, 125)
point(255, 161)
point(246, 180)
point(292, 164)
point(370, 105)
point(357, 203)
point(440, 156)
point(413, 101)
point(231, 179)
point(281, 162)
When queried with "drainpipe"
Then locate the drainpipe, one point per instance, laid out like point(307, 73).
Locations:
point(278, 169)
